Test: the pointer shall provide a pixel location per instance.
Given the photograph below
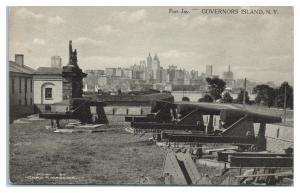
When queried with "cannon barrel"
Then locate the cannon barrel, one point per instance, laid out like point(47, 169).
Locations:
point(234, 114)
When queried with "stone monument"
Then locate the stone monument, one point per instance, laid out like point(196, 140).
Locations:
point(72, 76)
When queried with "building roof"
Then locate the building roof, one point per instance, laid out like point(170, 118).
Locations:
point(14, 67)
point(48, 71)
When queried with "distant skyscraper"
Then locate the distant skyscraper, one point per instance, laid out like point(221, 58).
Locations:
point(209, 71)
point(56, 62)
point(164, 75)
point(171, 71)
point(228, 75)
point(149, 62)
point(155, 62)
point(149, 74)
point(156, 69)
point(228, 78)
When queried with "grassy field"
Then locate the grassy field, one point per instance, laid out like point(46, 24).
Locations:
point(40, 156)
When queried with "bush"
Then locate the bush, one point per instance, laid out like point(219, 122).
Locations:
point(186, 99)
point(206, 98)
point(227, 98)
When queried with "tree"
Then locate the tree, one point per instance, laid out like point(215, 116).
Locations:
point(119, 92)
point(215, 87)
point(264, 94)
point(289, 95)
point(241, 96)
point(206, 98)
point(186, 99)
point(227, 98)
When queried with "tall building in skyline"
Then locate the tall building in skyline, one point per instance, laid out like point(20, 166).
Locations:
point(56, 61)
point(149, 62)
point(172, 69)
point(148, 73)
point(228, 75)
point(164, 75)
point(228, 78)
point(209, 71)
point(156, 69)
point(155, 62)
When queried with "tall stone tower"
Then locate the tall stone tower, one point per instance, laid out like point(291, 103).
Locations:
point(72, 76)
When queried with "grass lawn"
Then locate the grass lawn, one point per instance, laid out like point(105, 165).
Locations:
point(40, 156)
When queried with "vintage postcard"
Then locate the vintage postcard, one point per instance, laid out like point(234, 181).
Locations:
point(159, 95)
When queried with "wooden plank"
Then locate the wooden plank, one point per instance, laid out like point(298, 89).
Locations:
point(88, 126)
point(209, 151)
point(208, 139)
point(172, 171)
point(191, 168)
point(263, 175)
point(223, 156)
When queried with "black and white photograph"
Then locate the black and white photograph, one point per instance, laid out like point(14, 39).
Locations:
point(150, 95)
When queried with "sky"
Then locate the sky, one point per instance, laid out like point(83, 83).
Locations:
point(257, 47)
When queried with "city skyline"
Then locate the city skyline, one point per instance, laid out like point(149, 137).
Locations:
point(123, 36)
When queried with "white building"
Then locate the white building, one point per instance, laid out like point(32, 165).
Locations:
point(48, 86)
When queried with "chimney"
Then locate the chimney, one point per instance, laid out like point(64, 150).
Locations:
point(19, 59)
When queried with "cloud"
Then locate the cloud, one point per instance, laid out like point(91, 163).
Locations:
point(38, 41)
point(55, 20)
point(175, 54)
point(87, 41)
point(25, 13)
point(131, 17)
point(106, 29)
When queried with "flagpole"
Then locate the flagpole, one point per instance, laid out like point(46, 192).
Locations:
point(284, 105)
point(244, 94)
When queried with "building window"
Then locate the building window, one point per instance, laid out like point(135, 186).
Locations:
point(20, 85)
point(48, 93)
point(25, 85)
point(13, 86)
point(30, 85)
